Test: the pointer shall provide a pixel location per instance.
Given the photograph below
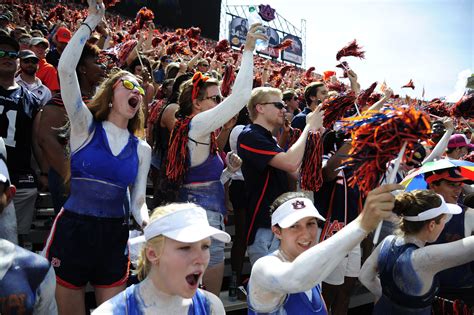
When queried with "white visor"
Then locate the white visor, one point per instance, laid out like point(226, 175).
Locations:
point(187, 225)
point(294, 210)
point(444, 208)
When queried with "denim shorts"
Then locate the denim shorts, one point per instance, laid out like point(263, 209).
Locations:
point(217, 247)
point(210, 196)
point(264, 244)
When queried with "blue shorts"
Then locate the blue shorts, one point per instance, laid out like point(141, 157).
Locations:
point(86, 249)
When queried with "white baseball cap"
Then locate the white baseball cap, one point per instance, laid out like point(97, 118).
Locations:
point(444, 208)
point(186, 225)
point(293, 210)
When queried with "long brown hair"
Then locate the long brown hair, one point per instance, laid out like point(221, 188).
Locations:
point(100, 109)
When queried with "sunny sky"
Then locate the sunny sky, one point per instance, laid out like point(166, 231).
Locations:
point(429, 41)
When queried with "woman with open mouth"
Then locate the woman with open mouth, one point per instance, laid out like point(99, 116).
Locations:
point(88, 240)
point(171, 266)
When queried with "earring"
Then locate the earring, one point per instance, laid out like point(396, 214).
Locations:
point(110, 105)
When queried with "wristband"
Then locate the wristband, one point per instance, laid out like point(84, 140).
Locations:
point(88, 26)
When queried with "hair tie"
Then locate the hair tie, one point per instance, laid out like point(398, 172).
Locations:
point(198, 79)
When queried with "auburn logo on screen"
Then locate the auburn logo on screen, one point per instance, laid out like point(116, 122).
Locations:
point(266, 12)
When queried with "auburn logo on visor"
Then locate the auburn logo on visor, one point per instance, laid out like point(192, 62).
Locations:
point(298, 204)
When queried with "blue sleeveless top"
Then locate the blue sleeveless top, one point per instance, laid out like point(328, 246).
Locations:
point(459, 276)
point(99, 179)
point(395, 268)
point(19, 285)
point(209, 170)
point(128, 303)
point(298, 303)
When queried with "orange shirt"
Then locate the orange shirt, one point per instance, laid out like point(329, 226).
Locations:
point(48, 74)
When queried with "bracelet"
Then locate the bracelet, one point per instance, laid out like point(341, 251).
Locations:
point(88, 26)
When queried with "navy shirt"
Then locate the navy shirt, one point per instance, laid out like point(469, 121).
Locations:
point(299, 121)
point(256, 147)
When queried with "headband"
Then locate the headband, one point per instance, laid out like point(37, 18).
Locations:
point(198, 79)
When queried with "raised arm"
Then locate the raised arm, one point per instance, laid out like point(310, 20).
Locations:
point(368, 274)
point(443, 142)
point(79, 115)
point(271, 279)
point(206, 122)
point(430, 260)
point(138, 191)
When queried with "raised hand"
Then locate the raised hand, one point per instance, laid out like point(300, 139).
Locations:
point(378, 206)
point(252, 35)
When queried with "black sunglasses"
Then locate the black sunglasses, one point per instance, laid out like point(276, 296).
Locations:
point(10, 54)
point(30, 60)
point(295, 98)
point(216, 98)
point(279, 105)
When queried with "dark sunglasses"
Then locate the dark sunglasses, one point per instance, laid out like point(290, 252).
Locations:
point(295, 98)
point(10, 54)
point(204, 65)
point(30, 60)
point(279, 105)
point(216, 98)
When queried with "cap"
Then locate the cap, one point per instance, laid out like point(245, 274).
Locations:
point(418, 154)
point(450, 174)
point(458, 140)
point(444, 208)
point(26, 54)
point(293, 210)
point(38, 40)
point(63, 35)
point(186, 225)
point(10, 41)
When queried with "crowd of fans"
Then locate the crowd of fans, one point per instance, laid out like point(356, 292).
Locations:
point(94, 105)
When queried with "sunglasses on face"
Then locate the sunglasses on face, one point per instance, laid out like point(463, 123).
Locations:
point(10, 54)
point(204, 65)
point(129, 85)
point(295, 98)
point(279, 105)
point(216, 98)
point(30, 60)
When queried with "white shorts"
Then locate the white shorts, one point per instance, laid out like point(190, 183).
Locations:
point(348, 267)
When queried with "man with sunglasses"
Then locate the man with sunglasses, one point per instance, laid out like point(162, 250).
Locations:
point(266, 166)
point(18, 108)
point(27, 76)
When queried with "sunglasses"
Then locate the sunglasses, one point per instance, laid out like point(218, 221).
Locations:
point(279, 105)
point(216, 98)
point(295, 98)
point(30, 60)
point(129, 85)
point(10, 54)
point(204, 65)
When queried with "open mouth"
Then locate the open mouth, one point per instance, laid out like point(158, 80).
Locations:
point(133, 102)
point(193, 279)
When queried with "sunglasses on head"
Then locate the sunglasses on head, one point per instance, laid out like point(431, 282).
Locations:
point(216, 98)
point(10, 54)
point(279, 105)
point(129, 85)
